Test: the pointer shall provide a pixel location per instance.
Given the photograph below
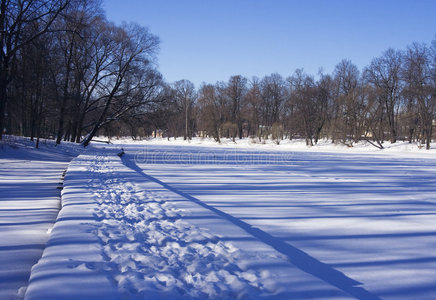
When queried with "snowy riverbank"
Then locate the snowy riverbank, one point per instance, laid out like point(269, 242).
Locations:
point(400, 147)
point(29, 204)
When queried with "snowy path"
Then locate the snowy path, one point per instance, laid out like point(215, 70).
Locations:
point(121, 234)
point(29, 204)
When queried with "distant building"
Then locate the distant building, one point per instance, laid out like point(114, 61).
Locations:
point(158, 133)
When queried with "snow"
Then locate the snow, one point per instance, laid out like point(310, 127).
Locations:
point(402, 148)
point(179, 220)
point(122, 234)
point(369, 215)
point(29, 204)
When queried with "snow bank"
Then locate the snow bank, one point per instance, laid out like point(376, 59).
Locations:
point(285, 145)
point(72, 265)
point(29, 204)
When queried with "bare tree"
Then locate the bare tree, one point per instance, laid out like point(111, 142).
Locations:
point(419, 87)
point(94, 67)
point(303, 94)
point(348, 109)
point(273, 94)
point(185, 96)
point(236, 90)
point(371, 116)
point(15, 16)
point(32, 84)
point(384, 74)
point(253, 109)
point(210, 115)
point(323, 100)
point(129, 65)
point(69, 38)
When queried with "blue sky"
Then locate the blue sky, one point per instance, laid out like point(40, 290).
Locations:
point(209, 41)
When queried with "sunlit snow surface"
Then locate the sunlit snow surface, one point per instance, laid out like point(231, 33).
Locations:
point(370, 216)
point(29, 204)
point(179, 222)
point(122, 234)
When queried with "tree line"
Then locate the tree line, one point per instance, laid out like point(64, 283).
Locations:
point(393, 98)
point(68, 73)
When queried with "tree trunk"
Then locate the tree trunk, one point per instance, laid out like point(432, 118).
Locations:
point(38, 133)
point(240, 129)
point(101, 118)
point(3, 100)
point(64, 96)
point(79, 128)
point(391, 121)
point(61, 121)
point(428, 132)
point(4, 68)
point(186, 120)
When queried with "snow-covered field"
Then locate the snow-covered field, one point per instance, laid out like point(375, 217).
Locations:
point(400, 147)
point(370, 216)
point(174, 221)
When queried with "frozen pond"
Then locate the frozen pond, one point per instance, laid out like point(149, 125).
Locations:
point(370, 216)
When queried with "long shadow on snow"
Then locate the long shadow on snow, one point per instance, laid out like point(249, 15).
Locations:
point(299, 258)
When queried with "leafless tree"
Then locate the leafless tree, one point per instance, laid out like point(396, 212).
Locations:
point(348, 107)
point(323, 100)
point(253, 107)
point(235, 91)
point(185, 96)
point(15, 17)
point(303, 95)
point(419, 89)
point(384, 74)
point(274, 95)
point(128, 71)
point(211, 114)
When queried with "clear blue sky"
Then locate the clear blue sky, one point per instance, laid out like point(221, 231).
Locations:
point(210, 40)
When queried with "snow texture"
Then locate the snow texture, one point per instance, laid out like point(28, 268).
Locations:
point(120, 234)
point(169, 221)
point(29, 204)
point(368, 215)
